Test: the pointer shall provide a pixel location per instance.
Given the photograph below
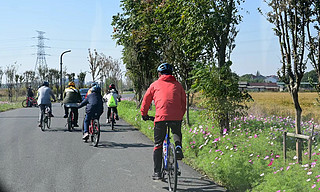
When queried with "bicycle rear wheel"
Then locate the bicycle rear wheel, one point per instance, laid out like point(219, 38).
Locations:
point(95, 132)
point(43, 123)
point(172, 168)
point(48, 122)
point(70, 121)
point(25, 103)
point(112, 119)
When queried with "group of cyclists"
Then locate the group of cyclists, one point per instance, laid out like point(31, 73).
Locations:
point(93, 102)
point(167, 93)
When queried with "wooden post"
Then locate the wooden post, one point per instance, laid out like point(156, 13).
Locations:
point(284, 146)
point(309, 147)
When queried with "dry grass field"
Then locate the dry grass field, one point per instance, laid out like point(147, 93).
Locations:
point(281, 104)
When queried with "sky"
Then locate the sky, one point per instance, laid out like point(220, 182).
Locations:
point(78, 25)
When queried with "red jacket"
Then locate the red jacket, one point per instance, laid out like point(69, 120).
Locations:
point(169, 98)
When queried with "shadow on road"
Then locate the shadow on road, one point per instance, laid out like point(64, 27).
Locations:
point(104, 127)
point(106, 144)
point(196, 184)
point(19, 117)
point(59, 129)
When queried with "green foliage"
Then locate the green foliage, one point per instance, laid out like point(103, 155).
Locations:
point(135, 30)
point(219, 88)
point(310, 76)
point(251, 78)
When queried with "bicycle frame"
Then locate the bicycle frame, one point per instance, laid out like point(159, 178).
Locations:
point(166, 145)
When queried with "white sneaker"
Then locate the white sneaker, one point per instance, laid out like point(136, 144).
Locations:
point(85, 136)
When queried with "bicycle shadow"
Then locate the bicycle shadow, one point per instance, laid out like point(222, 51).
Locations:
point(59, 129)
point(197, 184)
point(107, 144)
point(117, 128)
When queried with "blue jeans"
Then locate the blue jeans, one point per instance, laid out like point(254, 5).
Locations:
point(87, 119)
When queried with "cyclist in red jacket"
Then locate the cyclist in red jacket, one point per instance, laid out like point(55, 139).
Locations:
point(170, 102)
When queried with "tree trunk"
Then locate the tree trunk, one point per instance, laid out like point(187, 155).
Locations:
point(297, 124)
point(224, 123)
point(188, 107)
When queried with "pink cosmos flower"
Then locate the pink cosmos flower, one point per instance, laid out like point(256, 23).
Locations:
point(313, 186)
point(224, 131)
point(270, 163)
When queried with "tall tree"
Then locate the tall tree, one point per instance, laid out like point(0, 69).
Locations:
point(1, 74)
point(94, 64)
point(214, 24)
point(313, 30)
point(134, 30)
point(10, 75)
point(28, 76)
point(290, 18)
point(43, 73)
point(82, 77)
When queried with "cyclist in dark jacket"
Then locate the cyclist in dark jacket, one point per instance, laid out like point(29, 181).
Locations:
point(94, 108)
point(71, 95)
point(30, 92)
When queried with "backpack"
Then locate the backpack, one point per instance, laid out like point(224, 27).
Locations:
point(112, 102)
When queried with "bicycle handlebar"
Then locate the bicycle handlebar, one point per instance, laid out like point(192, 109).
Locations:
point(148, 118)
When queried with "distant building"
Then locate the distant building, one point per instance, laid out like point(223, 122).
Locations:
point(258, 86)
point(271, 79)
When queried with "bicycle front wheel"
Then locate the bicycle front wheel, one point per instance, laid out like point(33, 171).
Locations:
point(25, 103)
point(172, 168)
point(95, 132)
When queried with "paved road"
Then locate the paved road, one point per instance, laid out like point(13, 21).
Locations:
point(57, 160)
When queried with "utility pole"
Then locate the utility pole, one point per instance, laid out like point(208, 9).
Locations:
point(41, 56)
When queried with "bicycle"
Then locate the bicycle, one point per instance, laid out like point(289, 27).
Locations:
point(112, 118)
point(94, 130)
point(29, 102)
point(170, 167)
point(70, 120)
point(46, 119)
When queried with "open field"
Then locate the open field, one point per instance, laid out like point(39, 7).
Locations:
point(281, 104)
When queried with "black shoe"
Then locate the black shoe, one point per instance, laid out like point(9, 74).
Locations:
point(65, 116)
point(179, 153)
point(76, 125)
point(117, 117)
point(156, 176)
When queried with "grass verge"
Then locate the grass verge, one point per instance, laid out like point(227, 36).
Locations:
point(249, 157)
